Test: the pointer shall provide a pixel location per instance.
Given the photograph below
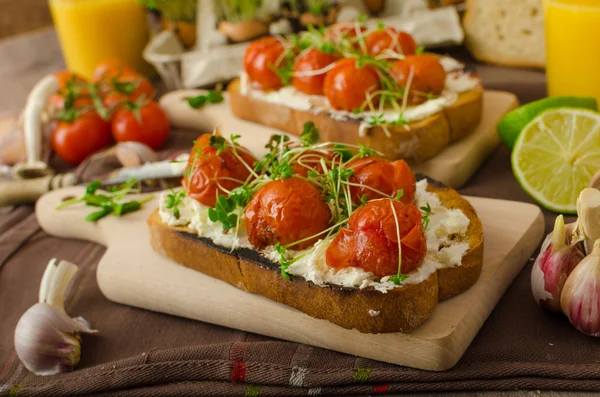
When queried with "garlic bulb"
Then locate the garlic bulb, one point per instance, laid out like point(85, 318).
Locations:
point(580, 299)
point(557, 258)
point(46, 339)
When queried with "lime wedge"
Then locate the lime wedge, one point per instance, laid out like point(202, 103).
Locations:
point(513, 122)
point(556, 156)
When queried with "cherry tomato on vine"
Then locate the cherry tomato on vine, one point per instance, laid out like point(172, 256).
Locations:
point(278, 213)
point(209, 172)
point(370, 241)
point(390, 38)
point(309, 71)
point(109, 69)
point(347, 86)
point(76, 140)
point(152, 129)
point(260, 60)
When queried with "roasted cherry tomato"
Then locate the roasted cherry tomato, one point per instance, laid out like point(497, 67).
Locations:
point(310, 160)
point(346, 86)
point(208, 172)
point(376, 175)
point(260, 59)
point(152, 129)
point(370, 241)
point(110, 68)
point(345, 31)
point(286, 211)
point(428, 77)
point(389, 38)
point(87, 134)
point(305, 79)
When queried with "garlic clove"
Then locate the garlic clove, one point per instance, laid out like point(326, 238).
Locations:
point(556, 260)
point(580, 299)
point(134, 154)
point(46, 339)
point(588, 221)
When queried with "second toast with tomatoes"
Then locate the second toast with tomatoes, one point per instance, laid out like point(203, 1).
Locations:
point(358, 85)
point(333, 230)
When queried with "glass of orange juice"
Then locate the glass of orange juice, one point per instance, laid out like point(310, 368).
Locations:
point(91, 31)
point(573, 47)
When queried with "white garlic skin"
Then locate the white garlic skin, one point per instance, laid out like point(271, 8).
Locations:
point(556, 260)
point(47, 340)
point(580, 299)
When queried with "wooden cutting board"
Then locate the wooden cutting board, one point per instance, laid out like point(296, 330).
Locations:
point(133, 274)
point(453, 166)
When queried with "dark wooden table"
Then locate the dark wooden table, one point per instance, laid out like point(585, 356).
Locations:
point(26, 58)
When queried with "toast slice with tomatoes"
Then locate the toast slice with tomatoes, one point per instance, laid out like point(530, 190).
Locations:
point(366, 309)
point(414, 142)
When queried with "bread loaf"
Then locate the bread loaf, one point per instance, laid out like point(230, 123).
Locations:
point(506, 32)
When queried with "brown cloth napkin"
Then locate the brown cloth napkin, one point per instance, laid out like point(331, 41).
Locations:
point(141, 353)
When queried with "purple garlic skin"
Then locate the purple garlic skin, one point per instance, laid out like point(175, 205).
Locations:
point(580, 299)
point(556, 260)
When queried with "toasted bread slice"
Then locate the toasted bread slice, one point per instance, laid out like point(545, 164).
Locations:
point(414, 142)
point(367, 310)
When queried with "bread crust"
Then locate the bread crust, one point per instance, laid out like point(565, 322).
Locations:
point(367, 310)
point(414, 142)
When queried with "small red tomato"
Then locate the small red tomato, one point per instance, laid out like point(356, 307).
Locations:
point(260, 59)
point(389, 38)
point(64, 77)
point(370, 241)
point(113, 100)
point(311, 161)
point(345, 31)
point(377, 176)
point(153, 128)
point(347, 86)
point(428, 76)
point(305, 79)
point(286, 211)
point(110, 68)
point(74, 141)
point(57, 101)
point(208, 173)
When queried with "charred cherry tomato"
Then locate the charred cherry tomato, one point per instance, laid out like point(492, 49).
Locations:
point(260, 59)
point(346, 86)
point(151, 129)
point(76, 140)
point(310, 160)
point(375, 175)
point(370, 241)
point(208, 171)
point(110, 68)
point(305, 79)
point(389, 38)
point(286, 211)
point(428, 77)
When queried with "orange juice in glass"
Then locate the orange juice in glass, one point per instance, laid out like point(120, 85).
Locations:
point(573, 47)
point(91, 31)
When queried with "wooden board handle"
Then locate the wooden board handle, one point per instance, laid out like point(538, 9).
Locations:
point(27, 191)
point(68, 222)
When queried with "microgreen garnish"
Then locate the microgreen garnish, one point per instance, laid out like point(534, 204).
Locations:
point(399, 194)
point(284, 263)
point(342, 151)
point(398, 277)
point(420, 50)
point(219, 143)
point(211, 97)
point(111, 203)
point(310, 134)
point(365, 151)
point(173, 200)
point(223, 212)
point(425, 212)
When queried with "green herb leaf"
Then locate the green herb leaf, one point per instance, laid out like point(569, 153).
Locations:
point(420, 50)
point(212, 96)
point(219, 143)
point(365, 151)
point(284, 263)
point(342, 151)
point(425, 213)
point(399, 194)
point(310, 134)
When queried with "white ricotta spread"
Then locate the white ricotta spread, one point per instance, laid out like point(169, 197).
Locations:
point(457, 81)
point(445, 226)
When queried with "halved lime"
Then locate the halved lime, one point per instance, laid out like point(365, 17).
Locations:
point(513, 122)
point(556, 156)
